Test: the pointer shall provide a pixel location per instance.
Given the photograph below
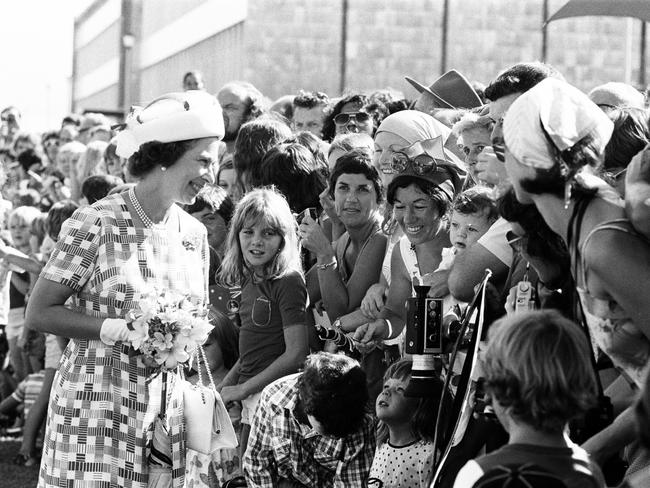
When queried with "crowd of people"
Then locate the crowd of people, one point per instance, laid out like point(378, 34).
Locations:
point(305, 225)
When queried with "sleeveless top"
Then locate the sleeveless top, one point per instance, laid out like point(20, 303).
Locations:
point(610, 327)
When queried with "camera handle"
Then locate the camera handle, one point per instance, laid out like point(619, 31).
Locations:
point(479, 295)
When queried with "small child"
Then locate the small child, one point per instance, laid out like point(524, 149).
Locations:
point(404, 456)
point(263, 257)
point(472, 213)
point(539, 377)
point(221, 354)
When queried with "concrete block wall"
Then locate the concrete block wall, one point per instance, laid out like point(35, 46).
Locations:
point(292, 44)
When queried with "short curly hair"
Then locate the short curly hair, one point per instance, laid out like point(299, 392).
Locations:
point(537, 366)
point(332, 388)
point(155, 153)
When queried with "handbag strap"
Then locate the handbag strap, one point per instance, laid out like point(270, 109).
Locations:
point(201, 351)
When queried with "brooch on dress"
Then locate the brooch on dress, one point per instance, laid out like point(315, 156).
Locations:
point(191, 242)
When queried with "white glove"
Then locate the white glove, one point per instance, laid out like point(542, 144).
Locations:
point(114, 330)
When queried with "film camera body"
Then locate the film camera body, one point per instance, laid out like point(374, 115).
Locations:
point(424, 340)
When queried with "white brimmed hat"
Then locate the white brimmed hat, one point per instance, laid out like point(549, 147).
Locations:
point(178, 116)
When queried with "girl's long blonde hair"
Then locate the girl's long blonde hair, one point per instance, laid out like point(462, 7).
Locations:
point(268, 206)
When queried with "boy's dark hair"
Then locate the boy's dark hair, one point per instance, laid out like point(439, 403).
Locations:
point(217, 200)
point(519, 79)
point(293, 170)
point(332, 388)
point(254, 139)
point(226, 335)
point(537, 367)
point(357, 161)
point(59, 213)
point(96, 187)
point(476, 200)
point(28, 158)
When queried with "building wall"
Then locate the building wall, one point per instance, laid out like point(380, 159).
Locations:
point(293, 44)
point(284, 45)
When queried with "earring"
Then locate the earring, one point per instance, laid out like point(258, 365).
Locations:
point(163, 168)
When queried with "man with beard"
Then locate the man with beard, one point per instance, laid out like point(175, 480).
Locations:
point(240, 102)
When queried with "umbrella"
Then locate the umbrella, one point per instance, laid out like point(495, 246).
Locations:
point(639, 9)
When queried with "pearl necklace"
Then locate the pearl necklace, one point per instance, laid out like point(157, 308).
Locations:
point(148, 223)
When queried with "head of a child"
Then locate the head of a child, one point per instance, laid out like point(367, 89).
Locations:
point(20, 223)
point(537, 371)
point(262, 239)
point(68, 157)
point(59, 213)
point(333, 393)
point(472, 213)
point(395, 409)
point(37, 232)
point(96, 187)
point(221, 348)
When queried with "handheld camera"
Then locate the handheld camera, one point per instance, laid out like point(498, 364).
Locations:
point(424, 340)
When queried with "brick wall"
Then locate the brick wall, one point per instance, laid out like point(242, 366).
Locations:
point(292, 44)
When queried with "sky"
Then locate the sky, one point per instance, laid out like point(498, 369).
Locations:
point(36, 37)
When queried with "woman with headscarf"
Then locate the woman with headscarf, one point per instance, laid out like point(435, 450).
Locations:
point(555, 138)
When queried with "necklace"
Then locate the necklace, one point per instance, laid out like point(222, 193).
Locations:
point(148, 223)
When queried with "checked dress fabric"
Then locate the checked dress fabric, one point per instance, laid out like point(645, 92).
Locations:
point(102, 408)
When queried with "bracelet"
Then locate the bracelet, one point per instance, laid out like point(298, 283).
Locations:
point(323, 267)
point(390, 328)
point(337, 325)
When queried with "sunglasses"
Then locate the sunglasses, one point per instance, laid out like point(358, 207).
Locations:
point(421, 164)
point(344, 119)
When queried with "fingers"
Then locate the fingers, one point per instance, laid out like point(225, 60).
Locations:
point(360, 333)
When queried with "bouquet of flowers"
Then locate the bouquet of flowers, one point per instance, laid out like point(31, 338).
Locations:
point(168, 329)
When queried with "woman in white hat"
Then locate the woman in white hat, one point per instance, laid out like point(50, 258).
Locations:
point(555, 138)
point(109, 254)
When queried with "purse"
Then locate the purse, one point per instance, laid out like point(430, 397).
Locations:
point(207, 422)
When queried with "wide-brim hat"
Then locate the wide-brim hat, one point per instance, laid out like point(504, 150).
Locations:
point(447, 173)
point(452, 90)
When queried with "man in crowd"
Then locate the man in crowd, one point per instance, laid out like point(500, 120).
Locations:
point(240, 102)
point(309, 112)
point(311, 429)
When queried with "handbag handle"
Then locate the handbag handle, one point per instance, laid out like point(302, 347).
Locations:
point(207, 368)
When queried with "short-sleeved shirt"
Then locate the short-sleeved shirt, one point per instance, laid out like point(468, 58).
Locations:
point(28, 390)
point(102, 405)
point(266, 308)
point(571, 464)
point(406, 466)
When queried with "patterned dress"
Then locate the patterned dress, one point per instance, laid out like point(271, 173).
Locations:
point(102, 408)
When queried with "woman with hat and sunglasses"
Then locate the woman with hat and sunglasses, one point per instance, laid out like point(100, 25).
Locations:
point(421, 193)
point(102, 406)
point(555, 138)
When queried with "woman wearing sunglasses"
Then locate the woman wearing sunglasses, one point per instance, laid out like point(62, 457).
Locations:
point(421, 193)
point(353, 114)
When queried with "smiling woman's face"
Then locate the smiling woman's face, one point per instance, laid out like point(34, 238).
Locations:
point(416, 214)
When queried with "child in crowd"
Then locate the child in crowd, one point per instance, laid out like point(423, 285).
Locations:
point(20, 221)
point(263, 257)
point(404, 456)
point(539, 377)
point(54, 345)
point(96, 187)
point(23, 397)
point(221, 354)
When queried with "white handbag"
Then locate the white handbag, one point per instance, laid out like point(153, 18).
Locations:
point(207, 422)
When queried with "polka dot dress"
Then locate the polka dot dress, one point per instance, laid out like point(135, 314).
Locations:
point(406, 466)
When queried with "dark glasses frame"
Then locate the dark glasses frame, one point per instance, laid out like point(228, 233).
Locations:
point(344, 118)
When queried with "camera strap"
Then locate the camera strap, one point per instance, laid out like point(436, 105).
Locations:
point(573, 243)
